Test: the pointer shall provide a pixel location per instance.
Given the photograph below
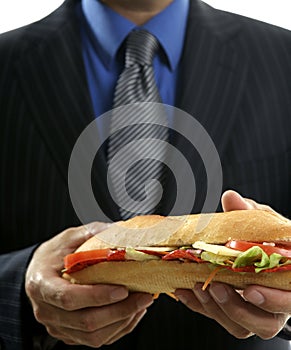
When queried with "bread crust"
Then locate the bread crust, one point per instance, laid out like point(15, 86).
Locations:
point(158, 276)
point(218, 228)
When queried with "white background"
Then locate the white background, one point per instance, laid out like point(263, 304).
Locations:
point(15, 13)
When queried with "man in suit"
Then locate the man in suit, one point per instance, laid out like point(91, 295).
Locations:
point(230, 73)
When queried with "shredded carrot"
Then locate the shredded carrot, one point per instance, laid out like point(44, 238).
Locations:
point(229, 262)
point(211, 276)
point(172, 295)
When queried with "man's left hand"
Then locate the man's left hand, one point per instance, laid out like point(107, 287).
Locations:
point(255, 310)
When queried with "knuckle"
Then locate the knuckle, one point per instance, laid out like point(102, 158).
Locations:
point(38, 314)
point(129, 328)
point(53, 332)
point(31, 288)
point(69, 342)
point(238, 314)
point(265, 335)
point(87, 324)
point(243, 334)
point(269, 332)
point(274, 327)
point(95, 340)
point(64, 299)
point(68, 232)
point(121, 311)
point(124, 313)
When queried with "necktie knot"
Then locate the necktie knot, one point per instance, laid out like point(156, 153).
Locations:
point(141, 47)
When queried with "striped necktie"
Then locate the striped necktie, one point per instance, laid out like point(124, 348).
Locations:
point(137, 84)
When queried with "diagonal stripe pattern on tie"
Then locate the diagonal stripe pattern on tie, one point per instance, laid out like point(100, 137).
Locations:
point(135, 87)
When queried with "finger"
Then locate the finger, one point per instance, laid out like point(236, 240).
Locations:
point(272, 300)
point(202, 302)
point(64, 295)
point(69, 240)
point(59, 335)
point(129, 328)
point(72, 238)
point(48, 257)
point(264, 324)
point(91, 319)
point(187, 297)
point(232, 200)
point(213, 310)
point(94, 338)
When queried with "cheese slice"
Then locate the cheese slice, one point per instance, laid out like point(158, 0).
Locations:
point(157, 249)
point(216, 249)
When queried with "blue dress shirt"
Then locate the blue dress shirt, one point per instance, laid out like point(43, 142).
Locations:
point(103, 32)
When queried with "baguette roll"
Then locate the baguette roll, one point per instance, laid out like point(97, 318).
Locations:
point(165, 276)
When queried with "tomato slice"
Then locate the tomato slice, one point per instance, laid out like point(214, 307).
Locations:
point(77, 261)
point(241, 269)
point(269, 249)
point(75, 258)
point(279, 269)
point(252, 269)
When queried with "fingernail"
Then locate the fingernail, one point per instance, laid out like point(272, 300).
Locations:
point(119, 294)
point(254, 297)
point(249, 205)
point(144, 301)
point(219, 293)
point(202, 296)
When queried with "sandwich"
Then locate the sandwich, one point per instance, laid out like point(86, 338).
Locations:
point(157, 254)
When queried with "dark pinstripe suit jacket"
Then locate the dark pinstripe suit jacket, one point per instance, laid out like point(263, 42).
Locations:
point(235, 79)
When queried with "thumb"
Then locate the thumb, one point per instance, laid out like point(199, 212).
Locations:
point(232, 200)
point(50, 254)
point(70, 239)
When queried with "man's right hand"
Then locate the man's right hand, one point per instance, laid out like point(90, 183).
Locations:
point(92, 315)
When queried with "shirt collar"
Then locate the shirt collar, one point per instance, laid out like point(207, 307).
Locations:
point(109, 29)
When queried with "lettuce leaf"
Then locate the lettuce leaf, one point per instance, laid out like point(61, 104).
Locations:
point(132, 254)
point(257, 257)
point(254, 256)
point(215, 258)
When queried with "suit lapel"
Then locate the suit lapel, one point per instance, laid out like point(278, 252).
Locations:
point(55, 72)
point(212, 79)
point(213, 72)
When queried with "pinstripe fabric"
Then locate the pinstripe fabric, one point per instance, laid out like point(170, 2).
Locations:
point(37, 205)
point(34, 163)
point(137, 84)
point(225, 82)
point(11, 284)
